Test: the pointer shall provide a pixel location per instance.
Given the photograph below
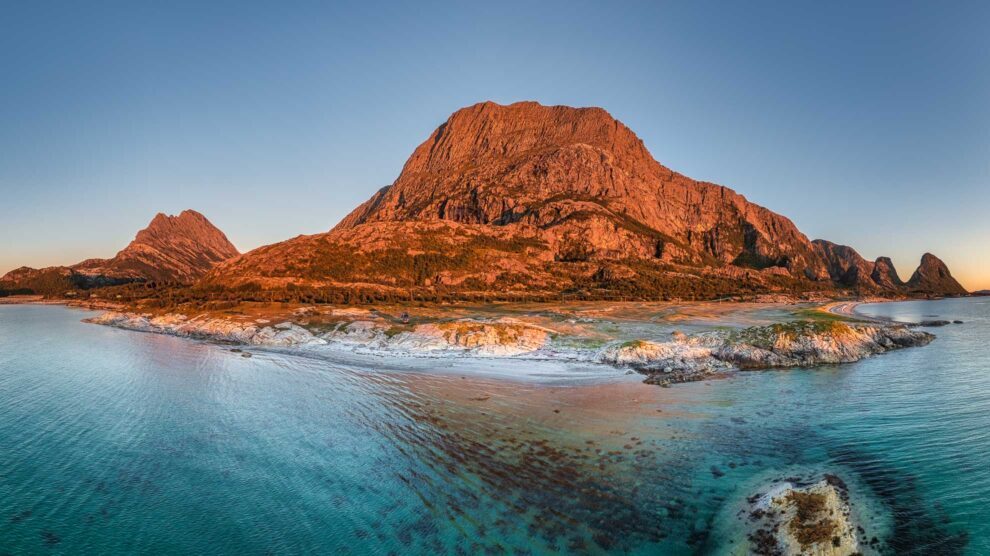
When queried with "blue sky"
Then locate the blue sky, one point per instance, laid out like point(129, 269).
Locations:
point(865, 123)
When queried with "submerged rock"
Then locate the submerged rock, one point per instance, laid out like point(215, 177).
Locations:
point(812, 519)
point(933, 323)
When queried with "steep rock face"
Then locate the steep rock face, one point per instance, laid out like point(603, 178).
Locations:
point(885, 275)
point(544, 199)
point(581, 180)
point(845, 266)
point(171, 249)
point(933, 277)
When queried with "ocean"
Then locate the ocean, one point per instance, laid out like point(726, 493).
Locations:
point(117, 442)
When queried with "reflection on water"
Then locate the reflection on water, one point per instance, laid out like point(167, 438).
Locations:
point(116, 442)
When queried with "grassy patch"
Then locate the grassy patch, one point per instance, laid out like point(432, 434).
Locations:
point(819, 315)
point(634, 344)
point(766, 336)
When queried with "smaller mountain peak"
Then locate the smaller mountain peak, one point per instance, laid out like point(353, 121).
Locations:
point(933, 276)
point(885, 275)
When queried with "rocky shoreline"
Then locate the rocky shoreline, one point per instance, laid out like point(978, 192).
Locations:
point(792, 344)
point(681, 358)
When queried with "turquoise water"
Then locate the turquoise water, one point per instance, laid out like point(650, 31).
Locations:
point(116, 442)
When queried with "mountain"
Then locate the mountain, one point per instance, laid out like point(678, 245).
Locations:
point(885, 275)
point(171, 249)
point(40, 280)
point(846, 267)
point(519, 201)
point(549, 198)
point(178, 249)
point(933, 277)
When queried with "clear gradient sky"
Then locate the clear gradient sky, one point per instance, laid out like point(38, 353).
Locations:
point(867, 123)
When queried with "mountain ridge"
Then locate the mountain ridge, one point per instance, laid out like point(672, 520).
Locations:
point(524, 201)
point(527, 197)
point(586, 204)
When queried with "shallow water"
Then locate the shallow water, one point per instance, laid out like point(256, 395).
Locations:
point(120, 442)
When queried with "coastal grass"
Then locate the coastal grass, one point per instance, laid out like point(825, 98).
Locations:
point(816, 314)
point(767, 336)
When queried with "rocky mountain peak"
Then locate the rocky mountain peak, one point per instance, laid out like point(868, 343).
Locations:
point(845, 265)
point(885, 275)
point(171, 248)
point(933, 277)
point(578, 175)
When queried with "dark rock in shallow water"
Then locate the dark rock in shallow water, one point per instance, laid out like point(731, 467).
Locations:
point(930, 323)
point(957, 322)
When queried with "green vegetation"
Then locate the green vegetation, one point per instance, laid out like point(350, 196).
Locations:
point(766, 336)
point(634, 344)
point(819, 315)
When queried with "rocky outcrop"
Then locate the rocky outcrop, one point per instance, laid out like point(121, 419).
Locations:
point(504, 338)
point(845, 266)
point(793, 344)
point(282, 334)
point(813, 519)
point(933, 277)
point(177, 249)
point(681, 358)
point(885, 275)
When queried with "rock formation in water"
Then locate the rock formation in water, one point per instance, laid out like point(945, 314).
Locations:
point(933, 277)
point(805, 519)
point(178, 249)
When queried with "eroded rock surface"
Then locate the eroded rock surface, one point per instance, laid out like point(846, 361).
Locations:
point(803, 519)
point(794, 344)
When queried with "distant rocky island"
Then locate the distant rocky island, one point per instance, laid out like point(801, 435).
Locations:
point(516, 202)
